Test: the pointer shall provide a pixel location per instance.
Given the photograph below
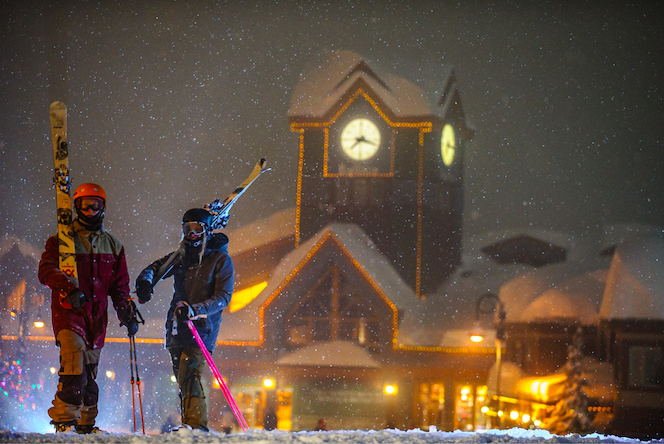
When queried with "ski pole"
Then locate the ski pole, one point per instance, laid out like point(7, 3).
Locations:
point(132, 341)
point(220, 380)
point(131, 366)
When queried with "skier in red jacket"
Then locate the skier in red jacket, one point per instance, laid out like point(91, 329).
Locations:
point(79, 311)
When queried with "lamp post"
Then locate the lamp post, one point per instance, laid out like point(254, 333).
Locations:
point(499, 317)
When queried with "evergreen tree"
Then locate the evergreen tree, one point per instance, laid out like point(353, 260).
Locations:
point(570, 414)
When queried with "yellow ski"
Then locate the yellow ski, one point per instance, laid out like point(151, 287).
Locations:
point(62, 182)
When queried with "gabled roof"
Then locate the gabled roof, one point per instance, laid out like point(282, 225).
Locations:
point(8, 242)
point(635, 284)
point(613, 235)
point(244, 326)
point(334, 74)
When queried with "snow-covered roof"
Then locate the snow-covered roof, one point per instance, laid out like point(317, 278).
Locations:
point(452, 307)
point(613, 235)
point(327, 78)
point(244, 325)
point(555, 305)
point(519, 285)
point(8, 241)
point(278, 226)
point(577, 291)
point(635, 283)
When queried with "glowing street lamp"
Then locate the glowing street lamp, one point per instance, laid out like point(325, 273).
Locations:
point(477, 335)
point(390, 389)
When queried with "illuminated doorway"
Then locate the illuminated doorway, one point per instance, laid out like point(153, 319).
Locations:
point(469, 412)
point(432, 405)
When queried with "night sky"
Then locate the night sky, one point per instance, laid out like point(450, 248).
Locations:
point(171, 103)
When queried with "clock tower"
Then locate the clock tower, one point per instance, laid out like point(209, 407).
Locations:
point(373, 152)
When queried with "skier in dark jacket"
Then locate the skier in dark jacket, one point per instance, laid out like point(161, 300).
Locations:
point(79, 309)
point(203, 285)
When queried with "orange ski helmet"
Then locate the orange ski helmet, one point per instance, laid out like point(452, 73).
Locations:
point(89, 190)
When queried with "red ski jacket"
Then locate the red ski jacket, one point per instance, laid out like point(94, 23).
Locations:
point(102, 272)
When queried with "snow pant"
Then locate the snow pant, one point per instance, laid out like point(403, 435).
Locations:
point(76, 399)
point(188, 364)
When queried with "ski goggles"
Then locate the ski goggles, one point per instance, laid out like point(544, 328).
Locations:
point(87, 204)
point(195, 229)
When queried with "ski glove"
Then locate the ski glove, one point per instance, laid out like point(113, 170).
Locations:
point(143, 291)
point(185, 312)
point(76, 298)
point(132, 326)
point(130, 322)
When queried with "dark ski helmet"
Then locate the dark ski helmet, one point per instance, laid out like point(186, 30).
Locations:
point(196, 226)
point(198, 215)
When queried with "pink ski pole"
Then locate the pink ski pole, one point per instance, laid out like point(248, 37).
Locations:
point(220, 380)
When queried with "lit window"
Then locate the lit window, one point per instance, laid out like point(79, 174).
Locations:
point(243, 297)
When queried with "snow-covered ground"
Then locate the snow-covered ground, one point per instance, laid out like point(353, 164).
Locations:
point(337, 437)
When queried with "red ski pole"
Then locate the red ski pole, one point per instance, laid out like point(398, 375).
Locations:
point(131, 365)
point(220, 380)
point(138, 385)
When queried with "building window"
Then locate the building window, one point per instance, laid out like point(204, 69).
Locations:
point(333, 310)
point(432, 405)
point(645, 367)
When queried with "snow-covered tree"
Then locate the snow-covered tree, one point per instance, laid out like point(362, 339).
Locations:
point(570, 414)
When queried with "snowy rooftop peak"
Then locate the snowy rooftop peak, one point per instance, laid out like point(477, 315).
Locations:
point(327, 78)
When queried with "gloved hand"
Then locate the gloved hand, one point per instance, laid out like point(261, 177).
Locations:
point(132, 326)
point(183, 311)
point(130, 321)
point(76, 298)
point(143, 291)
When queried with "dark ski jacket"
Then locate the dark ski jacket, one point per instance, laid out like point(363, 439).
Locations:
point(102, 272)
point(207, 288)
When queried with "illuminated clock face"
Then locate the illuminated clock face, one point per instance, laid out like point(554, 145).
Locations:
point(360, 139)
point(447, 145)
